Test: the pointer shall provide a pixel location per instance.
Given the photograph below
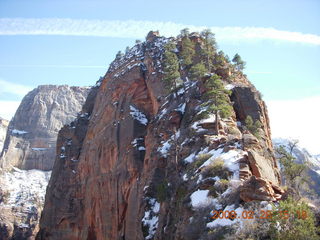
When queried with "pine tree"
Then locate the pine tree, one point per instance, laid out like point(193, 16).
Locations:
point(293, 171)
point(217, 99)
point(220, 59)
point(239, 63)
point(210, 47)
point(119, 55)
point(197, 71)
point(171, 68)
point(252, 126)
point(184, 32)
point(187, 51)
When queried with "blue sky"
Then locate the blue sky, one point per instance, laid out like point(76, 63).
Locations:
point(73, 42)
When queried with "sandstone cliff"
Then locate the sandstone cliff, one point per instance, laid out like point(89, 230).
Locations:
point(31, 145)
point(3, 131)
point(32, 133)
point(139, 163)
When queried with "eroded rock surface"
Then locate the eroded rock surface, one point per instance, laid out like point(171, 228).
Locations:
point(31, 139)
point(129, 167)
point(29, 153)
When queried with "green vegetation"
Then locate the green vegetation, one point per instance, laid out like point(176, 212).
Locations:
point(239, 63)
point(253, 127)
point(217, 100)
point(210, 47)
point(162, 191)
point(201, 158)
point(293, 220)
point(171, 68)
point(216, 168)
point(197, 71)
point(221, 59)
point(119, 55)
point(218, 188)
point(187, 49)
point(294, 172)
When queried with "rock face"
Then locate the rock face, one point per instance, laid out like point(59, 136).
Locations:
point(139, 163)
point(21, 201)
point(32, 133)
point(3, 131)
point(31, 145)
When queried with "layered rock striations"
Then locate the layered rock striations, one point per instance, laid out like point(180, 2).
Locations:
point(32, 133)
point(139, 161)
point(29, 153)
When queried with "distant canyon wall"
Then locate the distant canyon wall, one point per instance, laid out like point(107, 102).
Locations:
point(31, 136)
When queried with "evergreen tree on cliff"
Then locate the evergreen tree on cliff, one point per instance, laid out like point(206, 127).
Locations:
point(210, 47)
point(171, 68)
point(187, 49)
point(239, 63)
point(217, 100)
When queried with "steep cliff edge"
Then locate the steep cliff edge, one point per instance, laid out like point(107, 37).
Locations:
point(31, 139)
point(3, 131)
point(142, 164)
point(29, 152)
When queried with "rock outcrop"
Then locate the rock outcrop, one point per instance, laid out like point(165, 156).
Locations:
point(31, 139)
point(30, 145)
point(3, 131)
point(140, 163)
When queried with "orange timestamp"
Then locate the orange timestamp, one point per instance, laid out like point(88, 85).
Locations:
point(262, 214)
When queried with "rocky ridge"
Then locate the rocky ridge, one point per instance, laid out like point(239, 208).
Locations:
point(137, 162)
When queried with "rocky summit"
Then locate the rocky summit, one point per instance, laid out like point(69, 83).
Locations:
point(142, 161)
point(31, 139)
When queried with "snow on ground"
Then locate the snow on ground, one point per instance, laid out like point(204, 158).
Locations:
point(210, 119)
point(166, 145)
point(164, 149)
point(151, 218)
point(25, 187)
point(20, 132)
point(39, 149)
point(226, 221)
point(230, 159)
point(229, 86)
point(200, 198)
point(181, 108)
point(190, 158)
point(139, 116)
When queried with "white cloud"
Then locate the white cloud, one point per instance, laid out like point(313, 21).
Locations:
point(138, 29)
point(297, 119)
point(8, 109)
point(13, 88)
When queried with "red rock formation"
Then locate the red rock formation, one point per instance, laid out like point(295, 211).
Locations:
point(118, 171)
